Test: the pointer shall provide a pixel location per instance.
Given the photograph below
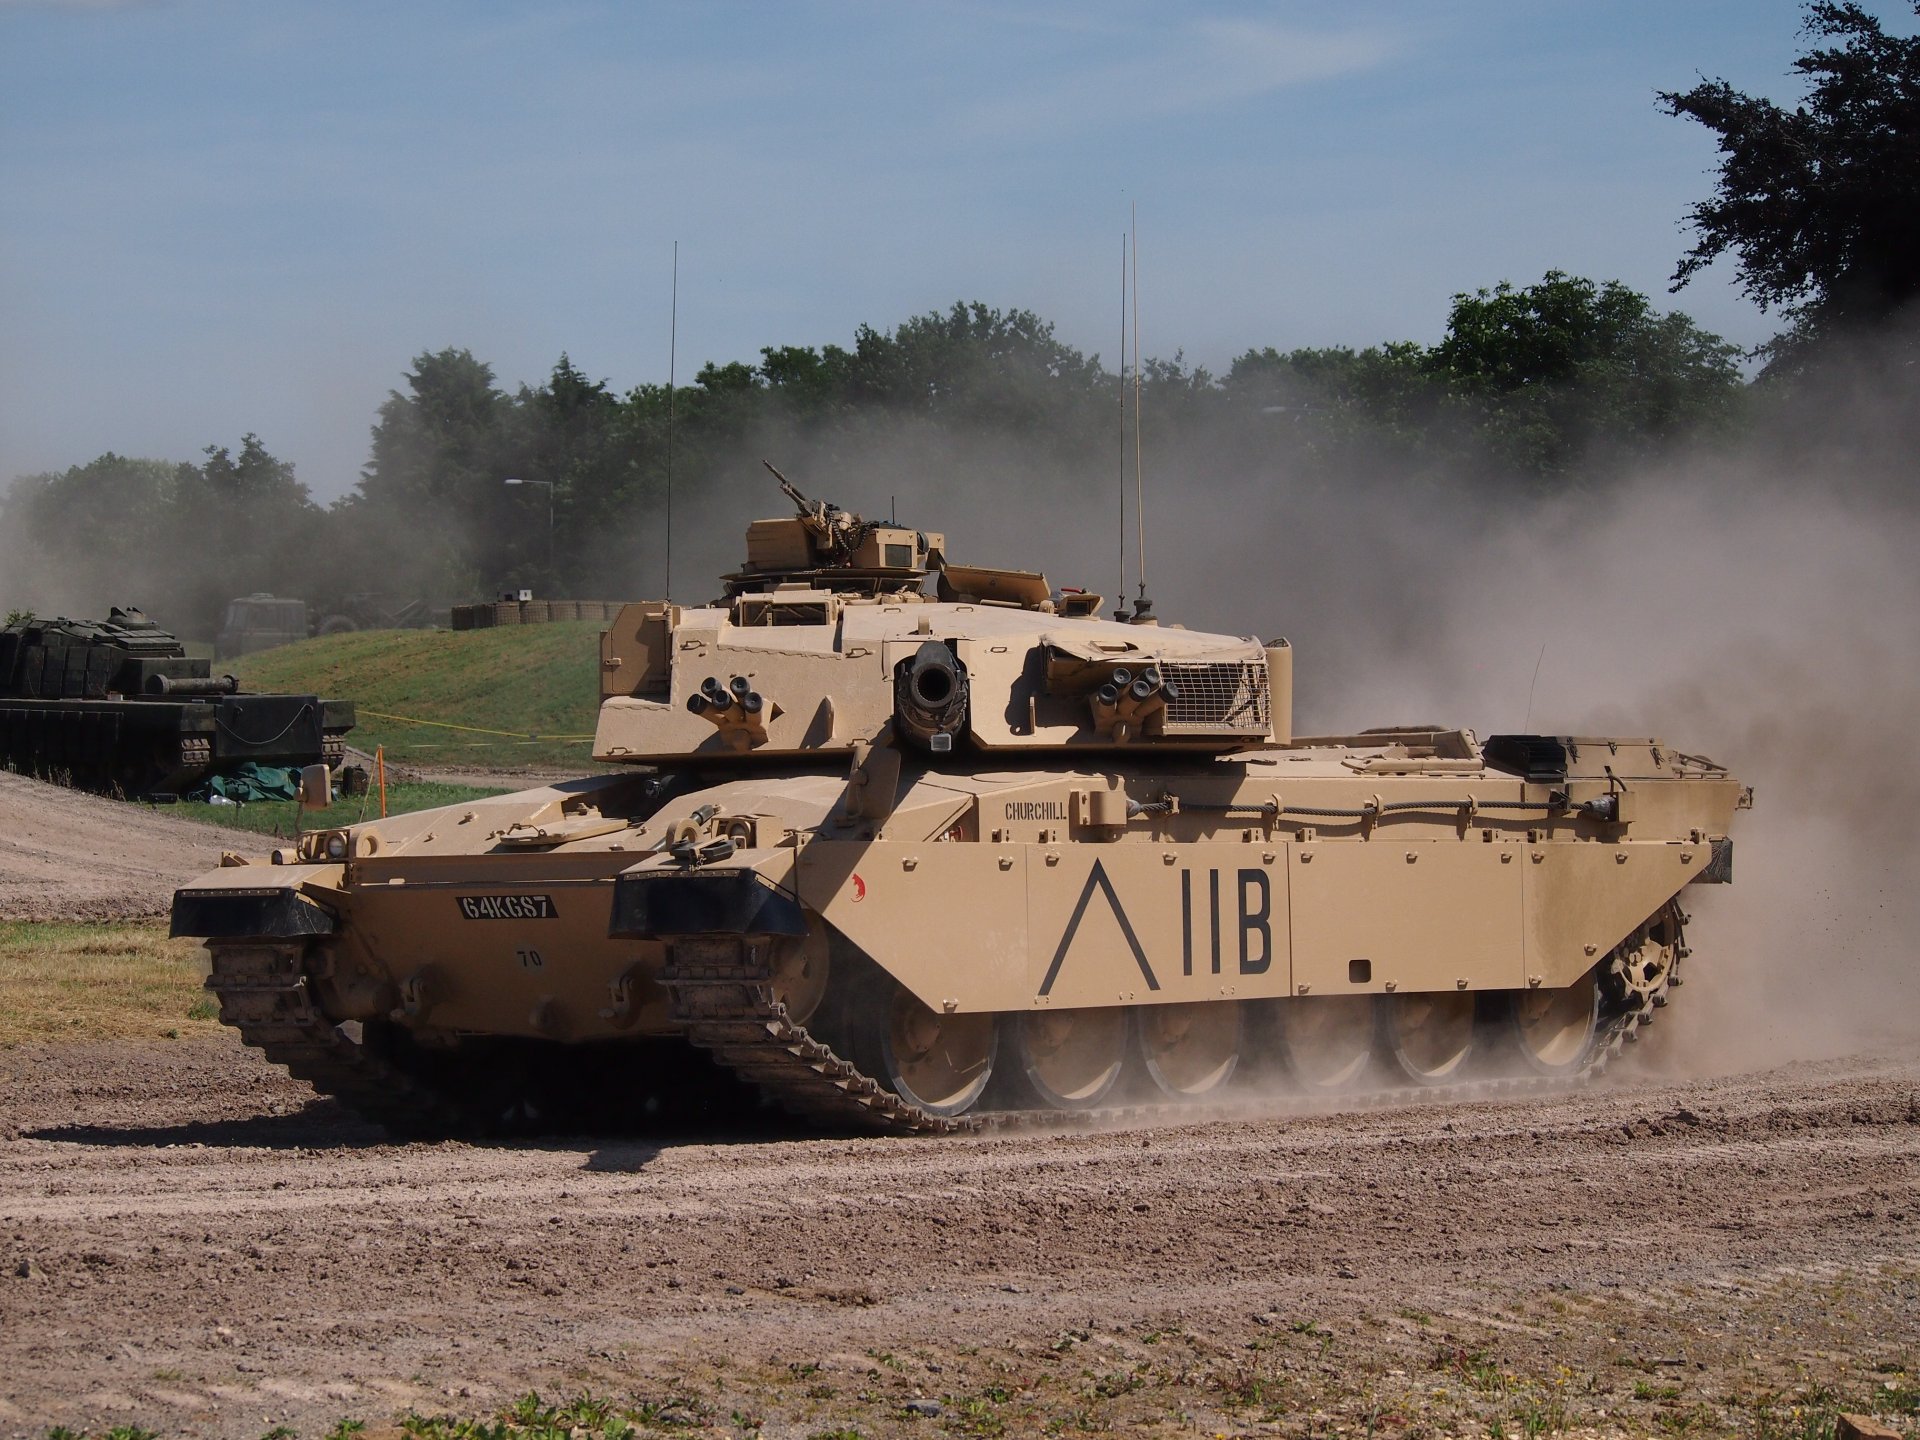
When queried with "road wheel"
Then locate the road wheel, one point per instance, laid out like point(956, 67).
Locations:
point(1328, 1041)
point(1430, 1036)
point(1192, 1050)
point(1071, 1059)
point(800, 972)
point(939, 1062)
point(1553, 1031)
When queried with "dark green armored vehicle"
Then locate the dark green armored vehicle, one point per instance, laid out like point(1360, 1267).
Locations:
point(116, 705)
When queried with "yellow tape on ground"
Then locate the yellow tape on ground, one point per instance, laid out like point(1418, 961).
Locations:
point(469, 729)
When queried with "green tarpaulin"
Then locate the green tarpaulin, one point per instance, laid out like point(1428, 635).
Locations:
point(248, 781)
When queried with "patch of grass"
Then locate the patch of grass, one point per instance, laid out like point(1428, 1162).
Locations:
point(1117, 1383)
point(1477, 1369)
point(99, 982)
point(1540, 1415)
point(976, 1415)
point(531, 1418)
point(1901, 1398)
point(533, 680)
point(1242, 1385)
point(280, 819)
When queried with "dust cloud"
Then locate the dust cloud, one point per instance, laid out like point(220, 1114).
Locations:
point(1744, 616)
point(1755, 601)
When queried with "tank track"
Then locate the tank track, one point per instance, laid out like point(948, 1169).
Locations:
point(721, 993)
point(262, 989)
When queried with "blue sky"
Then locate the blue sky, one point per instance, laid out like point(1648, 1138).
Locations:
point(240, 215)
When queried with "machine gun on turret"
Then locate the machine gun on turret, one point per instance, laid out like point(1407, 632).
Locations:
point(836, 533)
point(833, 549)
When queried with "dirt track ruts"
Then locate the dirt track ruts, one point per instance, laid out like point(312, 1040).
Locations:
point(67, 856)
point(186, 1240)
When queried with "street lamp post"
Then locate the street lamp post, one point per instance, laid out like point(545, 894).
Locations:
point(516, 480)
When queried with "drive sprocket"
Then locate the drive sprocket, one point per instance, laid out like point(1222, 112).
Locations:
point(1636, 979)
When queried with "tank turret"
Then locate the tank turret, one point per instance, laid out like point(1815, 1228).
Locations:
point(125, 655)
point(827, 639)
point(118, 703)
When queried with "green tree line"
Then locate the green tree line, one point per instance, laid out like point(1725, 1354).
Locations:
point(1531, 388)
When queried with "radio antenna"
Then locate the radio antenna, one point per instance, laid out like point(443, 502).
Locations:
point(1142, 605)
point(673, 352)
point(1526, 725)
point(1120, 594)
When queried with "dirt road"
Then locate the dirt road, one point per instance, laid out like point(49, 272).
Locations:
point(187, 1243)
point(65, 855)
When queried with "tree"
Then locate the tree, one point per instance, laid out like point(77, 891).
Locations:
point(971, 363)
point(1822, 203)
point(1384, 389)
point(1565, 367)
point(177, 540)
point(247, 521)
point(436, 441)
point(1531, 382)
point(430, 500)
point(88, 537)
point(566, 434)
point(811, 382)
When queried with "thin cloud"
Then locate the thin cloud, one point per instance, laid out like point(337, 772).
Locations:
point(1206, 64)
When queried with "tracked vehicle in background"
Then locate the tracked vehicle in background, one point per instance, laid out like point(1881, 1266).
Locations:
point(116, 705)
point(920, 862)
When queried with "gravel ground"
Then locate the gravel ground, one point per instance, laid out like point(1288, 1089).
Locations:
point(189, 1242)
point(66, 855)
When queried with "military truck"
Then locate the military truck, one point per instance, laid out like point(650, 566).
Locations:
point(261, 620)
point(117, 705)
point(919, 862)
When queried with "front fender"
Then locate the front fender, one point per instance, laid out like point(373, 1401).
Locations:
point(253, 902)
point(751, 894)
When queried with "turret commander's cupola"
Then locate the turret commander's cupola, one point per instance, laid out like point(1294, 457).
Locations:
point(828, 548)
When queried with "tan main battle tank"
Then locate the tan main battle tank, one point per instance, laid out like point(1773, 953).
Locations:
point(911, 862)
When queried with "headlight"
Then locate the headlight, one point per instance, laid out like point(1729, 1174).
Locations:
point(336, 847)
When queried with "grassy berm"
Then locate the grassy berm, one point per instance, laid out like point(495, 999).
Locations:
point(431, 697)
point(281, 820)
